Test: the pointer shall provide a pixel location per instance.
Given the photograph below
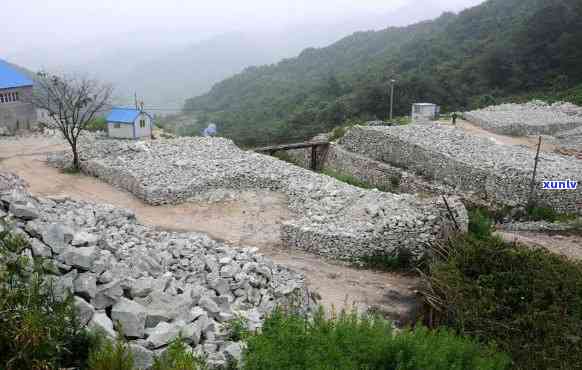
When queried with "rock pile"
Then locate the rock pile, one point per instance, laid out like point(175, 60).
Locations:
point(156, 285)
point(533, 118)
point(331, 218)
point(498, 173)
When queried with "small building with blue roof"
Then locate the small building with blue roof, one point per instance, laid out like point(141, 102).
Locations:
point(16, 109)
point(129, 123)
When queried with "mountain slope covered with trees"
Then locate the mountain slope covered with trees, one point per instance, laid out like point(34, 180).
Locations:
point(497, 49)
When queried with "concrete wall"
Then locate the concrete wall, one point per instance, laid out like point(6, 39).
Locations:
point(124, 131)
point(20, 114)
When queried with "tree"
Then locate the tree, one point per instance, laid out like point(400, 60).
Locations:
point(72, 103)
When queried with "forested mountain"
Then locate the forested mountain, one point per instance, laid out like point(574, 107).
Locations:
point(499, 48)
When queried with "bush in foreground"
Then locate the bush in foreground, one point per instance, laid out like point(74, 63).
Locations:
point(37, 329)
point(529, 302)
point(349, 341)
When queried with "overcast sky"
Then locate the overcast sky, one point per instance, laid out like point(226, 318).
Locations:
point(40, 27)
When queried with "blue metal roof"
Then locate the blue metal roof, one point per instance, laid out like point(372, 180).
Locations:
point(11, 78)
point(123, 115)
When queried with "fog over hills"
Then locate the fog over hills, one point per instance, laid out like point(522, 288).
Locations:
point(167, 63)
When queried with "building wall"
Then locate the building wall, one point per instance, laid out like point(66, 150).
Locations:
point(20, 114)
point(143, 132)
point(125, 130)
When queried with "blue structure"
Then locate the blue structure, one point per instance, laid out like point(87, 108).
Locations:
point(10, 78)
point(16, 109)
point(129, 123)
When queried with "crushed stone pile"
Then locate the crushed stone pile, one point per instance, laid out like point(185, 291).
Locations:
point(331, 218)
point(499, 173)
point(157, 285)
point(533, 118)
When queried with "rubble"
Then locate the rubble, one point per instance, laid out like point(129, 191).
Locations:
point(533, 118)
point(499, 174)
point(329, 216)
point(151, 285)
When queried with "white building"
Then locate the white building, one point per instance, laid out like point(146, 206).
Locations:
point(423, 112)
point(129, 123)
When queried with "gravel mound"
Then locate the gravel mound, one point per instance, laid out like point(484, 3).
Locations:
point(156, 284)
point(533, 118)
point(331, 218)
point(498, 173)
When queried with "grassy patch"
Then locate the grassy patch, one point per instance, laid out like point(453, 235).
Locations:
point(349, 341)
point(529, 302)
point(480, 223)
point(354, 181)
point(71, 170)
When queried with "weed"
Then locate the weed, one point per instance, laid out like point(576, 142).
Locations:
point(178, 357)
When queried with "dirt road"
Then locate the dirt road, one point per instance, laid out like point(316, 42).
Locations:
point(251, 220)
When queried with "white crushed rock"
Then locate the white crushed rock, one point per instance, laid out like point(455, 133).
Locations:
point(155, 283)
point(331, 218)
point(533, 118)
point(499, 173)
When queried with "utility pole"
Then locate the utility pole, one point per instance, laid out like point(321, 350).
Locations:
point(392, 82)
point(531, 200)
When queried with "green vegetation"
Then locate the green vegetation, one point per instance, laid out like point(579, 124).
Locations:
point(399, 260)
point(354, 181)
point(480, 223)
point(529, 302)
point(177, 357)
point(97, 124)
point(111, 355)
point(499, 49)
point(350, 341)
point(37, 329)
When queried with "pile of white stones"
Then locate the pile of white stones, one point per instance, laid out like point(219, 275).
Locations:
point(499, 173)
point(533, 118)
point(331, 218)
point(157, 285)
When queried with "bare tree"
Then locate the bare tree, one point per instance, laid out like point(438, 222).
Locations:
point(72, 103)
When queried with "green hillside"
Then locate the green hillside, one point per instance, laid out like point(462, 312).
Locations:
point(497, 49)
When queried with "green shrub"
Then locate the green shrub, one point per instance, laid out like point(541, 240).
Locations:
point(177, 357)
point(111, 356)
point(97, 124)
point(400, 260)
point(541, 213)
point(37, 329)
point(237, 329)
point(350, 341)
point(480, 223)
point(529, 302)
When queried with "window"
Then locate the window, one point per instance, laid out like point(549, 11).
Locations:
point(142, 123)
point(117, 125)
point(1, 98)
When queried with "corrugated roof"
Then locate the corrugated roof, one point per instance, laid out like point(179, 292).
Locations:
point(123, 115)
point(11, 78)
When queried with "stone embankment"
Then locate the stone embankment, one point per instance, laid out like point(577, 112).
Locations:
point(156, 285)
point(330, 218)
point(500, 174)
point(534, 118)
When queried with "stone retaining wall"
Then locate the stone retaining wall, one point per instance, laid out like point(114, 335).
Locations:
point(331, 218)
point(498, 173)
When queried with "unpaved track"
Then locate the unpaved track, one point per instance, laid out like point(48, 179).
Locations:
point(251, 220)
point(566, 245)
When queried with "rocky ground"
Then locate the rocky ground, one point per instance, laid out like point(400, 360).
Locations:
point(156, 284)
point(533, 118)
point(329, 217)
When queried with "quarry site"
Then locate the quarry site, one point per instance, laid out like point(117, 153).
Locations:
point(180, 236)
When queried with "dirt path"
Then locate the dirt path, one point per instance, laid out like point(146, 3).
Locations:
point(251, 220)
point(530, 142)
point(566, 245)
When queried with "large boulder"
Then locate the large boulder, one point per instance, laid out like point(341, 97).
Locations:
point(107, 295)
point(101, 322)
point(57, 237)
point(162, 334)
point(81, 258)
point(86, 285)
point(84, 311)
point(131, 316)
point(24, 210)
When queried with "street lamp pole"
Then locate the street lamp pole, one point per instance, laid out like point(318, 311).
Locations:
point(392, 82)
